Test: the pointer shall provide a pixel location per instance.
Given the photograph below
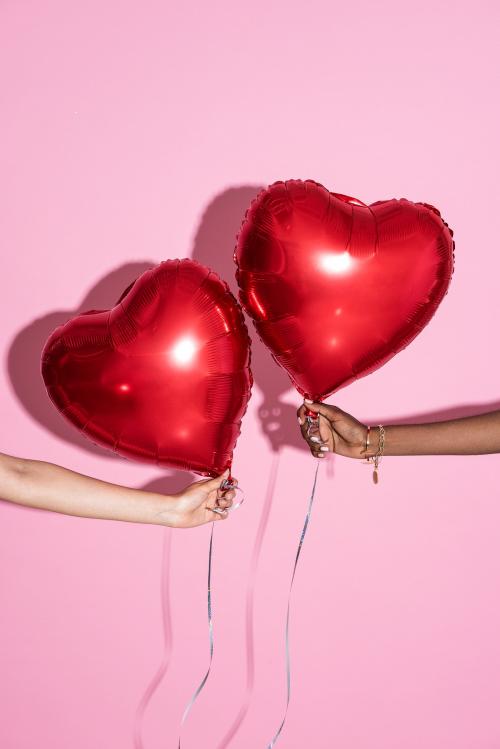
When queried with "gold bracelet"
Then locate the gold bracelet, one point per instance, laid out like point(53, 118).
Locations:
point(377, 458)
point(367, 441)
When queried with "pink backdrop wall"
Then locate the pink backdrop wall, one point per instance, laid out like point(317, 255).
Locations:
point(133, 132)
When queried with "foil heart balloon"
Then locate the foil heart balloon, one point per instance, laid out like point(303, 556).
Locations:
point(336, 287)
point(163, 376)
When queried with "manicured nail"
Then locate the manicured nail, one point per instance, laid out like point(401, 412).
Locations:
point(324, 449)
point(321, 455)
point(306, 400)
point(299, 420)
point(315, 439)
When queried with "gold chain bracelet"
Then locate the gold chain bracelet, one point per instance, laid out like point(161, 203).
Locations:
point(377, 458)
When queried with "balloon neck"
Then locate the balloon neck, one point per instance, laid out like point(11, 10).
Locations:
point(311, 414)
point(229, 482)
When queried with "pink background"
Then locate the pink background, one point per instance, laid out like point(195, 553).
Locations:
point(133, 132)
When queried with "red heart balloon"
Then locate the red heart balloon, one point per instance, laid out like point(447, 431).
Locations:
point(336, 287)
point(163, 376)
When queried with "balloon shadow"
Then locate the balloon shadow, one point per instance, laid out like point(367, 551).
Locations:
point(170, 484)
point(23, 357)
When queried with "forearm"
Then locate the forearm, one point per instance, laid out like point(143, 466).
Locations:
point(50, 487)
point(473, 435)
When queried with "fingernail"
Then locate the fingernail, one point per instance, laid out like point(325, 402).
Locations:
point(299, 420)
point(315, 439)
point(321, 455)
point(306, 400)
point(324, 449)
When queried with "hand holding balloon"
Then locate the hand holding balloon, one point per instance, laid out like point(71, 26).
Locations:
point(341, 433)
point(202, 502)
point(337, 431)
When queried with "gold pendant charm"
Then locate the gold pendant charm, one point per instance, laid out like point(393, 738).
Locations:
point(375, 476)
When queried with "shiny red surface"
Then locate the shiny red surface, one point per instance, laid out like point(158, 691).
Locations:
point(336, 287)
point(163, 376)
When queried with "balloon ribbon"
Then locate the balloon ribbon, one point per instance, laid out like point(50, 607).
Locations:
point(210, 637)
point(227, 484)
point(287, 638)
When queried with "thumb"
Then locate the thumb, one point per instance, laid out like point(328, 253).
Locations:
point(215, 483)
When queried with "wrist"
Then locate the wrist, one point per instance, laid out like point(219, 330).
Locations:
point(161, 510)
